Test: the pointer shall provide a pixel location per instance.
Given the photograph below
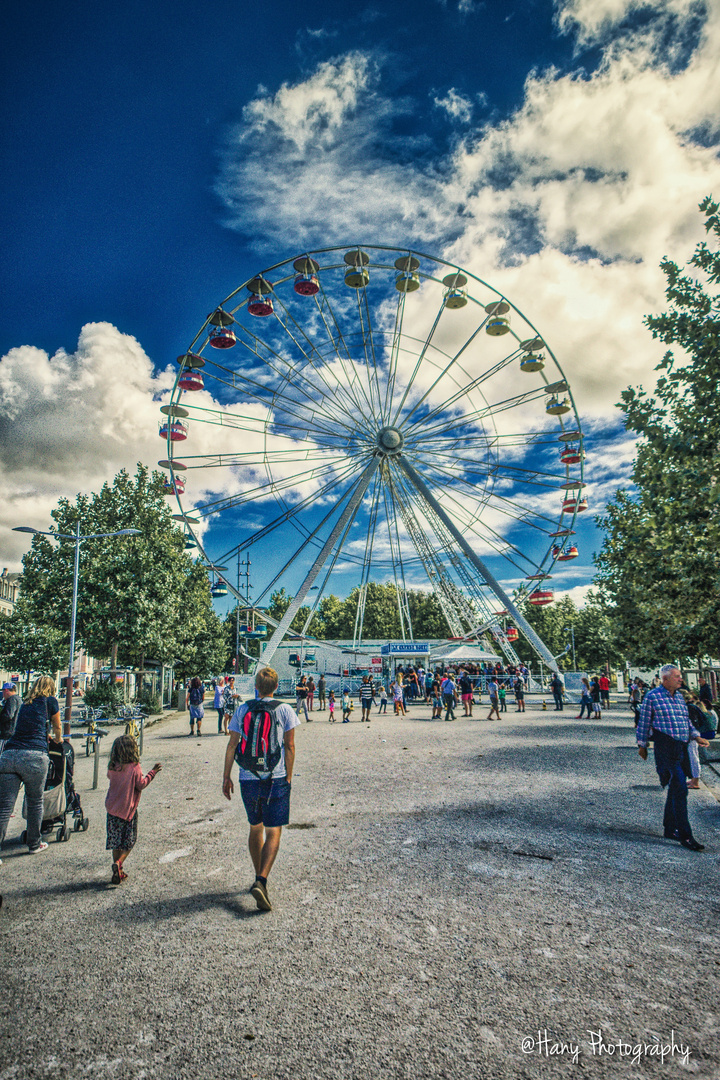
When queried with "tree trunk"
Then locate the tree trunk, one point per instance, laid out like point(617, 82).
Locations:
point(113, 663)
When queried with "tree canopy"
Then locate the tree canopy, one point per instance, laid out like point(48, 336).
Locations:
point(139, 596)
point(659, 566)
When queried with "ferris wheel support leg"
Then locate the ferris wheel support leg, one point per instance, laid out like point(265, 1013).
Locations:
point(295, 604)
point(537, 643)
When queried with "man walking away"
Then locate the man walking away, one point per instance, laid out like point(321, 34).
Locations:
point(604, 692)
point(321, 694)
point(265, 794)
point(665, 712)
point(556, 685)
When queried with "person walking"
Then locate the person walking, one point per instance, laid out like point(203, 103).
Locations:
point(367, 699)
point(604, 691)
point(665, 712)
point(321, 694)
point(266, 793)
point(194, 698)
point(519, 688)
point(556, 685)
point(218, 703)
point(383, 699)
point(449, 696)
point(121, 802)
point(347, 707)
point(301, 693)
point(8, 712)
point(494, 694)
point(311, 693)
point(25, 759)
point(466, 692)
point(398, 698)
point(502, 697)
point(331, 703)
point(585, 699)
point(595, 697)
point(228, 703)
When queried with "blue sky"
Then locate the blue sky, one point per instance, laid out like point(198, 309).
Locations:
point(157, 155)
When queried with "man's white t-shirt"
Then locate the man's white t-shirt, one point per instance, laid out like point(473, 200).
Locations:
point(285, 716)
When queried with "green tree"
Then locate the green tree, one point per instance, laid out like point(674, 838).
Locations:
point(201, 641)
point(26, 645)
point(659, 566)
point(134, 591)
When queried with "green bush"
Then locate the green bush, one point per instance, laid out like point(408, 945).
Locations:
point(105, 695)
point(149, 701)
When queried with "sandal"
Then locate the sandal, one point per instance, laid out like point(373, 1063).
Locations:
point(123, 875)
point(116, 874)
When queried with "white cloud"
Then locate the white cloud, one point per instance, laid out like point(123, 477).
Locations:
point(455, 104)
point(567, 205)
point(590, 20)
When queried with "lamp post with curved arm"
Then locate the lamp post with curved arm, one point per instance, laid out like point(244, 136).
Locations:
point(78, 538)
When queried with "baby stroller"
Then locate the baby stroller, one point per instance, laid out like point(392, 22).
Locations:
point(60, 798)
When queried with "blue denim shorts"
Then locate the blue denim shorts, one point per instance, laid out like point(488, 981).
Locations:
point(267, 801)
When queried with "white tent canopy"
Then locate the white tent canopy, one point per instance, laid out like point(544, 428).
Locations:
point(469, 653)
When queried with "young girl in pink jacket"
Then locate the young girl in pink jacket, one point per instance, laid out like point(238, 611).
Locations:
point(121, 802)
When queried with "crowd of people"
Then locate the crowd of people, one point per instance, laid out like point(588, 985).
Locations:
point(679, 722)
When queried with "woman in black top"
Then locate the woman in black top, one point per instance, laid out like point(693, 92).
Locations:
point(25, 759)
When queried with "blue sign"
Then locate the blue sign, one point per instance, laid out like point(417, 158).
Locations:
point(404, 648)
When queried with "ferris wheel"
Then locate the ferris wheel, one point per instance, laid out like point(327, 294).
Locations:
point(403, 419)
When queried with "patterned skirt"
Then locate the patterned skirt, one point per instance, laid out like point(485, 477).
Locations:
point(121, 834)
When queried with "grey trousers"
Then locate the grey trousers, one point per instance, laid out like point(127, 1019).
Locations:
point(28, 767)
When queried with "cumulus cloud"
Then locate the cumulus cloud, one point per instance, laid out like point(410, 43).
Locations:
point(566, 206)
point(71, 421)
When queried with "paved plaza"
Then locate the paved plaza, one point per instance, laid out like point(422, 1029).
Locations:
point(457, 900)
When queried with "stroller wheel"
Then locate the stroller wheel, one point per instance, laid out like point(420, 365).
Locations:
point(77, 824)
point(85, 823)
point(23, 836)
point(63, 833)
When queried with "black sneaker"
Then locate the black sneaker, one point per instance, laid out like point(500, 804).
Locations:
point(260, 893)
point(691, 844)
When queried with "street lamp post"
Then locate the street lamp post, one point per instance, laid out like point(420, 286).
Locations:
point(571, 630)
point(77, 538)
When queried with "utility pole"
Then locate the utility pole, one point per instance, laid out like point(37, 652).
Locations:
point(246, 574)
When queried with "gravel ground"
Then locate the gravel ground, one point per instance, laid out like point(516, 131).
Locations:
point(451, 900)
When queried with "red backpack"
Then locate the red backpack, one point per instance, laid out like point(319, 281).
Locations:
point(260, 746)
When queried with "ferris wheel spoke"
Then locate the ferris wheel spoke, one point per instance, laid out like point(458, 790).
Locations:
point(292, 374)
point(367, 561)
point(471, 467)
point(261, 490)
point(396, 558)
point(446, 369)
point(504, 502)
point(465, 390)
point(269, 397)
point(418, 364)
point(477, 415)
point(352, 382)
point(320, 372)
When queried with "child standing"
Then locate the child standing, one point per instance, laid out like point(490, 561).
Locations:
point(383, 700)
point(331, 707)
point(502, 696)
point(347, 707)
point(121, 802)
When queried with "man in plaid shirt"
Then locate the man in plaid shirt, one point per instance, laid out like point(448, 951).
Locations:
point(665, 713)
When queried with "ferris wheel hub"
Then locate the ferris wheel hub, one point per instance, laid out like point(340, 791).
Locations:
point(390, 441)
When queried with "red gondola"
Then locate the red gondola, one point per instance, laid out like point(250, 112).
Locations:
point(566, 555)
point(176, 487)
point(260, 306)
point(222, 337)
point(177, 428)
point(511, 633)
point(191, 379)
point(572, 455)
point(542, 597)
point(573, 504)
